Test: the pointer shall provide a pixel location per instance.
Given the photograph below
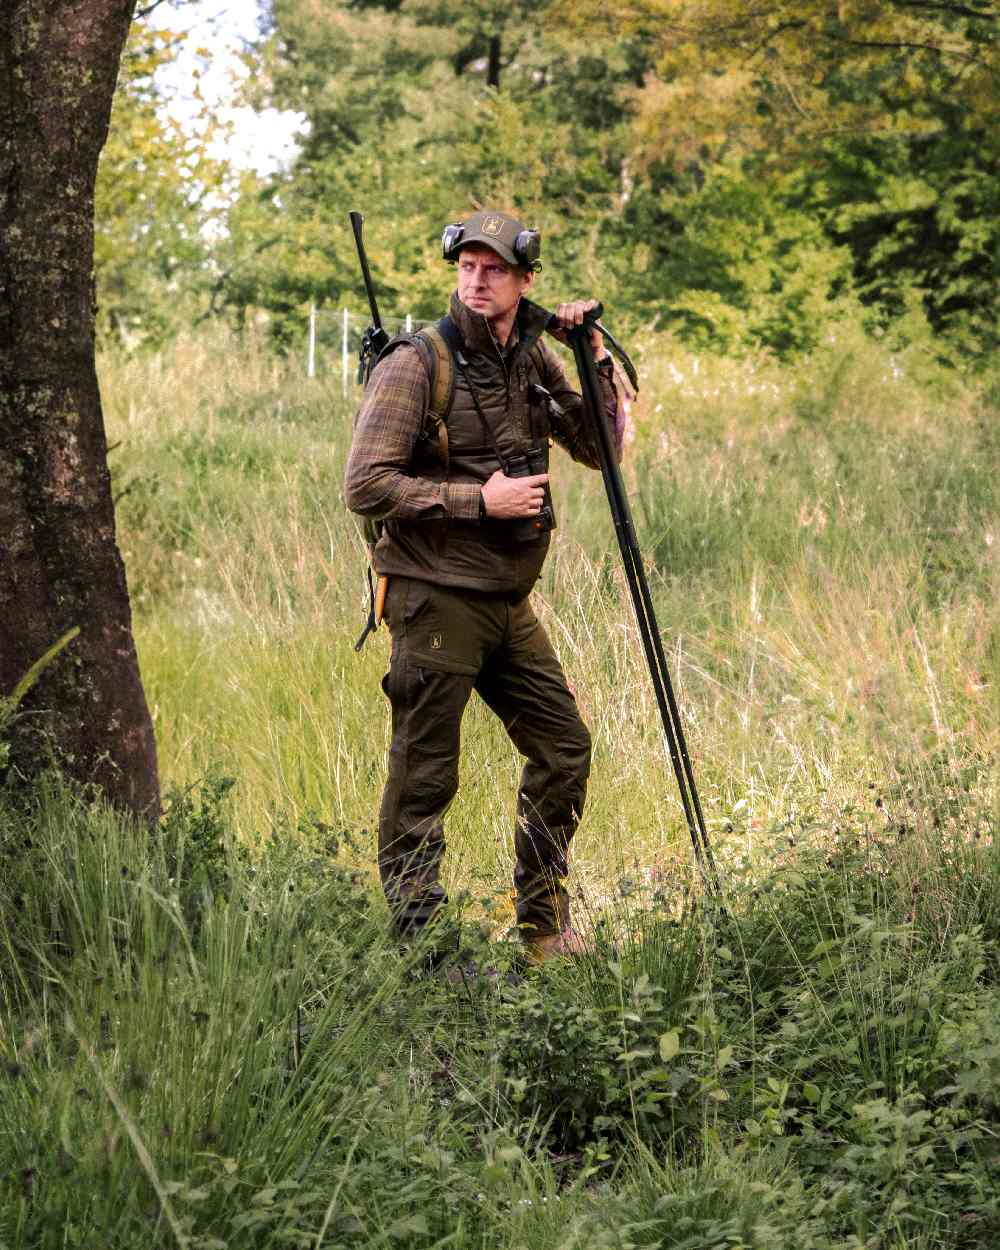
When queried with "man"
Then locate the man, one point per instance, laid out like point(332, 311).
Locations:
point(466, 518)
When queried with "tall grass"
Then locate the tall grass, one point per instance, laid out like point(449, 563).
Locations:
point(823, 546)
point(208, 1040)
point(212, 1050)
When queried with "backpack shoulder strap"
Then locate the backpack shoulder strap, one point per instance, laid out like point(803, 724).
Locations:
point(442, 370)
point(437, 348)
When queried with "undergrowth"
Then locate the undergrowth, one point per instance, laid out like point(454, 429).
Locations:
point(209, 1047)
point(208, 1039)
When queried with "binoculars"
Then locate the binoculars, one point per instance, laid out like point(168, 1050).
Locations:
point(527, 529)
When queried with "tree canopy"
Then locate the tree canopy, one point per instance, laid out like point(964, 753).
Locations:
point(161, 198)
point(739, 174)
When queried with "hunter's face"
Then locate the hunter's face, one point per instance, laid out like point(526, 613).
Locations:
point(487, 284)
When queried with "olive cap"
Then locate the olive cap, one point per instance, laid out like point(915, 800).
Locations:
point(508, 237)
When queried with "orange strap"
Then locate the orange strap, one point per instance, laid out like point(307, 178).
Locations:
point(380, 589)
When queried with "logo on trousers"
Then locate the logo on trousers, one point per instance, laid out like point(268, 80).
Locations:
point(437, 642)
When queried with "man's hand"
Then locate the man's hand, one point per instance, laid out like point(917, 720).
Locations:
point(508, 497)
point(571, 315)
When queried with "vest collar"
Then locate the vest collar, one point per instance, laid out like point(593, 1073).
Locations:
point(529, 325)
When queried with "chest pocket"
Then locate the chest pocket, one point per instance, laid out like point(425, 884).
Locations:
point(534, 401)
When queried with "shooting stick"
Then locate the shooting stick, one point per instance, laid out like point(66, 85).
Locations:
point(642, 600)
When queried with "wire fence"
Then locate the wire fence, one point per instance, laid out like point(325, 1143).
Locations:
point(333, 341)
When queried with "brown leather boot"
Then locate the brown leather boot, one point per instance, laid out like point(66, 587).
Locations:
point(565, 945)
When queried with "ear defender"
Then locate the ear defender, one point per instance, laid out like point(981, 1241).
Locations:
point(528, 248)
point(451, 238)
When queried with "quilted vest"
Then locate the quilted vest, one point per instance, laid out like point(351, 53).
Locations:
point(479, 555)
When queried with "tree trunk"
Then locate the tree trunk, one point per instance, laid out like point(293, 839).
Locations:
point(60, 564)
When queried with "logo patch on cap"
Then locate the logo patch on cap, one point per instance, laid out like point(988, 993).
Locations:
point(492, 226)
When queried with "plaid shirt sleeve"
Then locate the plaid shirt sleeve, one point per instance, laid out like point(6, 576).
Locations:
point(574, 433)
point(379, 482)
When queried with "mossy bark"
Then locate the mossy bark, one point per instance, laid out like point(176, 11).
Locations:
point(60, 564)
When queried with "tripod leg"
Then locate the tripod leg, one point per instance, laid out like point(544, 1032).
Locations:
point(642, 603)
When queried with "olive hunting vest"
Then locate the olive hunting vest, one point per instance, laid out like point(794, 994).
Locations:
point(493, 418)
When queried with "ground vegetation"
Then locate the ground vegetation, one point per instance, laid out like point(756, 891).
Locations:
point(208, 1038)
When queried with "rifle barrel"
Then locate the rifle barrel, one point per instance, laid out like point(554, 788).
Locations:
point(357, 225)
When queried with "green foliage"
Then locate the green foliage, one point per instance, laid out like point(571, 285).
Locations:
point(830, 1033)
point(733, 264)
point(871, 128)
point(158, 190)
point(405, 124)
point(206, 1035)
point(816, 1066)
point(638, 1060)
point(744, 179)
point(919, 216)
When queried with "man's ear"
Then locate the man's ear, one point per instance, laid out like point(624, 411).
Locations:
point(529, 278)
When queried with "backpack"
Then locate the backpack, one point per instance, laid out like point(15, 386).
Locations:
point(436, 345)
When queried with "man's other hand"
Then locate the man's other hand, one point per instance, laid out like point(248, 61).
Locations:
point(571, 315)
point(505, 498)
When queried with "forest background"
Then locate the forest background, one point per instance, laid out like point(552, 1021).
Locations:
point(740, 177)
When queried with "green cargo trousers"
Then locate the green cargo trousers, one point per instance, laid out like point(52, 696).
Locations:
point(447, 642)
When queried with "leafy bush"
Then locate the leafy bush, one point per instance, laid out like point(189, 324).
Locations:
point(589, 1071)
